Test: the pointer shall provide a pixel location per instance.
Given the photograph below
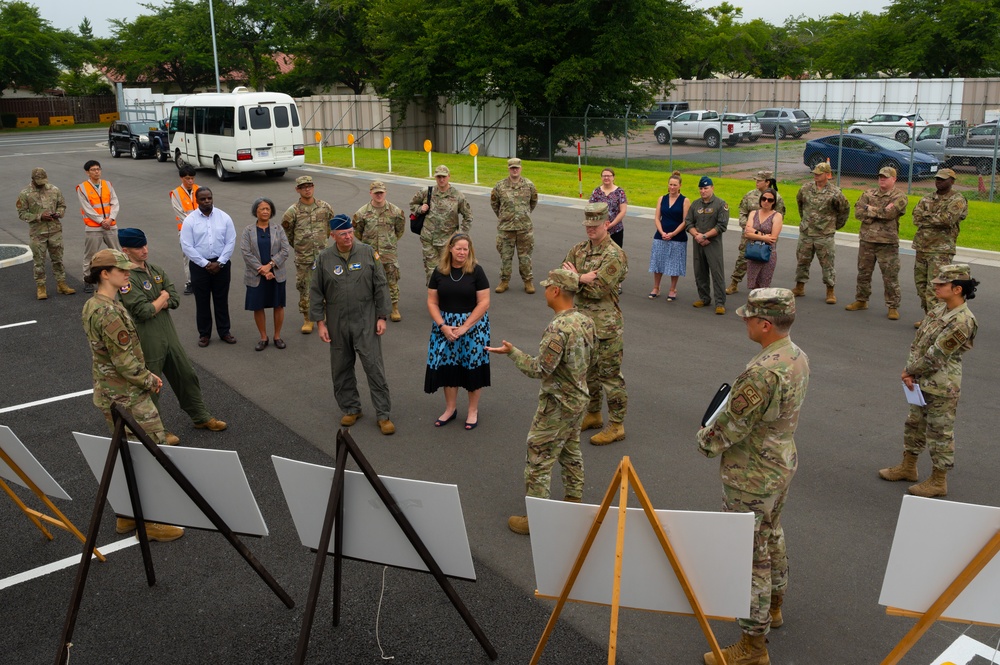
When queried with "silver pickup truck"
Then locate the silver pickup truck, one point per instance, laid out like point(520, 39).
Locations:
point(701, 125)
point(947, 142)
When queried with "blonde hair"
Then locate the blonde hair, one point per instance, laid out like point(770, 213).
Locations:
point(676, 175)
point(444, 262)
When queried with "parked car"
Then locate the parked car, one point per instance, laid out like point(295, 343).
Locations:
point(701, 125)
point(665, 111)
point(894, 125)
point(751, 119)
point(866, 155)
point(138, 139)
point(983, 135)
point(949, 143)
point(781, 122)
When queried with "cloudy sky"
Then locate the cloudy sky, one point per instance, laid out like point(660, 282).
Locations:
point(67, 14)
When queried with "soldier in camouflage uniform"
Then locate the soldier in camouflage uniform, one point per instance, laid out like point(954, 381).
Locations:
point(562, 364)
point(755, 437)
point(441, 222)
point(935, 364)
point(937, 218)
point(119, 369)
point(602, 265)
point(307, 225)
point(42, 205)
point(879, 210)
point(823, 209)
point(381, 225)
point(513, 200)
point(749, 203)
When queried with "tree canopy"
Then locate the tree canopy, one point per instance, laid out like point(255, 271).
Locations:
point(31, 50)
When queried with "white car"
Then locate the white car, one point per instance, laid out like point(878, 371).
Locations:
point(755, 129)
point(898, 126)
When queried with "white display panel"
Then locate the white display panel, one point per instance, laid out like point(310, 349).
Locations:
point(216, 474)
point(370, 532)
point(31, 467)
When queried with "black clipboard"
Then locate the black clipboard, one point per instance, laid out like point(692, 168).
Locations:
point(716, 406)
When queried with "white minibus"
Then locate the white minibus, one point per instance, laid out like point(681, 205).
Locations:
point(237, 132)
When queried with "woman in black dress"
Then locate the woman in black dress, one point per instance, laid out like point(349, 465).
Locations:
point(458, 295)
point(265, 249)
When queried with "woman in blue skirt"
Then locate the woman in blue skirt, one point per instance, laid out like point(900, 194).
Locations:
point(265, 250)
point(458, 295)
point(669, 253)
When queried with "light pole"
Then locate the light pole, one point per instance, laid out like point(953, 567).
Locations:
point(215, 50)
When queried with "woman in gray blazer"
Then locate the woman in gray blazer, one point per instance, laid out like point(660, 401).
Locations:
point(265, 249)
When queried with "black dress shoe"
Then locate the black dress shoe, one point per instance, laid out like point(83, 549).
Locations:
point(228, 338)
point(203, 341)
point(279, 343)
point(261, 345)
point(187, 289)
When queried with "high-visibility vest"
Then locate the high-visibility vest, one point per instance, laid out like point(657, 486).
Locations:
point(187, 202)
point(99, 200)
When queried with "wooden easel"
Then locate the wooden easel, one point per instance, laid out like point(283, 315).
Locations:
point(335, 528)
point(934, 612)
point(625, 476)
point(37, 518)
point(120, 446)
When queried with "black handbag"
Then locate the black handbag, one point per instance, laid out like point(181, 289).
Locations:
point(417, 218)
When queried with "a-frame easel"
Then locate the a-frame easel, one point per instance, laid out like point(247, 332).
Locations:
point(937, 608)
point(37, 518)
point(333, 526)
point(121, 419)
point(625, 477)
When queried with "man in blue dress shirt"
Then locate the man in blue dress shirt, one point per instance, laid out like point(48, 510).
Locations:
point(208, 239)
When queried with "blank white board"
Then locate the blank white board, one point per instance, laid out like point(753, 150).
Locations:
point(934, 541)
point(31, 467)
point(216, 474)
point(715, 550)
point(370, 532)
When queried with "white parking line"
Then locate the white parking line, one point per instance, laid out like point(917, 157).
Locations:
point(14, 325)
point(48, 568)
point(18, 407)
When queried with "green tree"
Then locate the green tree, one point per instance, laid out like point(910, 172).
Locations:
point(957, 38)
point(77, 84)
point(250, 34)
point(30, 48)
point(173, 45)
point(334, 44)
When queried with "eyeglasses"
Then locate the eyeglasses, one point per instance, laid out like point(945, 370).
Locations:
point(766, 198)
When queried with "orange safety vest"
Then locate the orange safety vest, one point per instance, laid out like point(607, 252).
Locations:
point(100, 201)
point(187, 202)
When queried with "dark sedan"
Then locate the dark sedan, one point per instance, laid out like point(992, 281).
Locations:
point(866, 155)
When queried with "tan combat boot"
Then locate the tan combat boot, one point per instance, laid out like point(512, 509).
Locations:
point(613, 432)
point(518, 524)
point(348, 419)
point(529, 287)
point(916, 324)
point(65, 288)
point(733, 287)
point(307, 327)
point(395, 316)
point(750, 650)
point(592, 420)
point(857, 306)
point(831, 298)
point(171, 439)
point(905, 470)
point(936, 485)
point(573, 499)
point(161, 533)
point(386, 427)
point(799, 290)
point(893, 314)
point(775, 611)
point(42, 295)
point(503, 285)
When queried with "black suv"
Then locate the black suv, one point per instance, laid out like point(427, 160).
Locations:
point(138, 139)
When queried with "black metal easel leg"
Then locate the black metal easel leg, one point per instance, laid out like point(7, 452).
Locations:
point(133, 495)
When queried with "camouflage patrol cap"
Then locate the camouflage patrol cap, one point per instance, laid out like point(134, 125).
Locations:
point(953, 272)
point(822, 167)
point(567, 280)
point(441, 170)
point(39, 177)
point(763, 175)
point(887, 172)
point(112, 258)
point(513, 162)
point(595, 214)
point(944, 174)
point(303, 180)
point(377, 186)
point(767, 302)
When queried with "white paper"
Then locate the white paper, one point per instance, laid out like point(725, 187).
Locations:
point(915, 396)
point(31, 467)
point(965, 650)
point(718, 412)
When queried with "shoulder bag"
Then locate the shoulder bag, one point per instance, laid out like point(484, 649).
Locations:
point(417, 218)
point(758, 250)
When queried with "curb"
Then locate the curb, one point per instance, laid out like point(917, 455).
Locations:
point(23, 257)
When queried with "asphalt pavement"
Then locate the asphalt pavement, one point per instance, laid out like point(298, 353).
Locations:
point(209, 607)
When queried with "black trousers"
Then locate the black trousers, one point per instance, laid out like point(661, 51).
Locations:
point(211, 290)
point(618, 237)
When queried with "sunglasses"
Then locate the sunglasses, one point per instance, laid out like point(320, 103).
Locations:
point(767, 198)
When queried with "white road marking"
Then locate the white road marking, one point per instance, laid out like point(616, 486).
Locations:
point(18, 407)
point(69, 561)
point(14, 325)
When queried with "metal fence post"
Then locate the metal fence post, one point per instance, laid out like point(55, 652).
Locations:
point(840, 147)
point(586, 136)
point(627, 108)
point(913, 140)
point(550, 135)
